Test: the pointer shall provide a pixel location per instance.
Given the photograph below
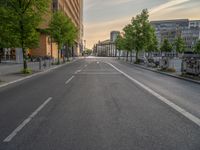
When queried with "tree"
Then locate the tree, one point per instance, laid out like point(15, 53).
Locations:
point(166, 46)
point(62, 31)
point(119, 43)
point(197, 47)
point(72, 35)
point(153, 43)
point(179, 45)
point(143, 32)
point(21, 18)
point(129, 38)
point(7, 39)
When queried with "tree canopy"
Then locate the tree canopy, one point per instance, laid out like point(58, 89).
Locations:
point(179, 45)
point(20, 19)
point(197, 47)
point(139, 35)
point(166, 46)
point(119, 42)
point(143, 32)
point(62, 30)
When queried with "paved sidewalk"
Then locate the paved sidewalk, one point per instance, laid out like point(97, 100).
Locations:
point(10, 72)
point(175, 74)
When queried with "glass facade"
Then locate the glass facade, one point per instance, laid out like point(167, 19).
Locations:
point(171, 29)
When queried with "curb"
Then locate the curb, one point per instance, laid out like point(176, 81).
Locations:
point(36, 74)
point(167, 74)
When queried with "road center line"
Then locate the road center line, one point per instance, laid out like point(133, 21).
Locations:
point(25, 122)
point(77, 71)
point(69, 80)
point(182, 111)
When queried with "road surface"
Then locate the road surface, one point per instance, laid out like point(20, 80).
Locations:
point(100, 104)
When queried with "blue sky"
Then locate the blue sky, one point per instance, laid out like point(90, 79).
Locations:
point(102, 16)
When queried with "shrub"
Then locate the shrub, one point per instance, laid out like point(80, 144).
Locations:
point(168, 70)
point(26, 71)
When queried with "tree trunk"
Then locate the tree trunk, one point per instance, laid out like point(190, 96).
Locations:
point(22, 43)
point(24, 59)
point(115, 52)
point(58, 53)
point(119, 54)
point(137, 60)
point(67, 51)
point(131, 56)
point(51, 49)
point(127, 56)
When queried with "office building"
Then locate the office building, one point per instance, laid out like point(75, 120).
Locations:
point(189, 30)
point(107, 48)
point(114, 35)
point(72, 9)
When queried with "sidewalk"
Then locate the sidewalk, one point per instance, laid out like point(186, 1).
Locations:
point(175, 74)
point(10, 72)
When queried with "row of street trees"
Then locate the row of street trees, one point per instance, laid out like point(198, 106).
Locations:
point(63, 32)
point(140, 35)
point(179, 46)
point(20, 22)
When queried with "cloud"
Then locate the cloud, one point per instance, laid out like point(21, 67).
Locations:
point(94, 4)
point(167, 5)
point(102, 19)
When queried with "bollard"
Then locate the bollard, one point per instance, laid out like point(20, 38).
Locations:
point(40, 64)
point(45, 64)
point(49, 62)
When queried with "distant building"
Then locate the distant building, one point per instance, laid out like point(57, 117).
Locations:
point(194, 24)
point(171, 29)
point(114, 35)
point(107, 48)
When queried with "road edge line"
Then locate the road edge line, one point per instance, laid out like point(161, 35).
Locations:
point(26, 121)
point(182, 111)
point(36, 74)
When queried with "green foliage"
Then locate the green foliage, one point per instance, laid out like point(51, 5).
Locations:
point(179, 45)
point(166, 46)
point(62, 30)
point(120, 43)
point(138, 36)
point(143, 32)
point(152, 45)
point(5, 39)
point(26, 71)
point(197, 47)
point(20, 18)
point(129, 37)
point(170, 70)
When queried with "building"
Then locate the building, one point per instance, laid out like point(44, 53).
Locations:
point(194, 24)
point(114, 35)
point(107, 48)
point(189, 30)
point(74, 10)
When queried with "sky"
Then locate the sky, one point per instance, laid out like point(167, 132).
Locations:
point(103, 16)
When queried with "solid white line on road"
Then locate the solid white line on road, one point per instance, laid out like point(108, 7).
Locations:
point(69, 80)
point(185, 113)
point(77, 71)
point(25, 122)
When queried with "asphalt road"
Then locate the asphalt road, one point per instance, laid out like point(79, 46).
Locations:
point(89, 105)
